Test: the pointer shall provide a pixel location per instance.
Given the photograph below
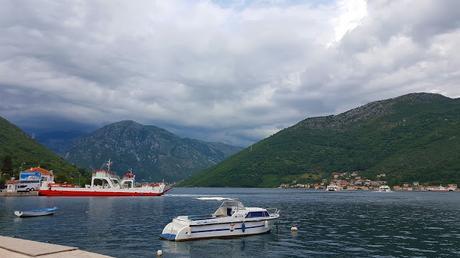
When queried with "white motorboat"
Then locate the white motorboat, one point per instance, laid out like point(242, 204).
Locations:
point(333, 188)
point(36, 213)
point(230, 219)
point(384, 188)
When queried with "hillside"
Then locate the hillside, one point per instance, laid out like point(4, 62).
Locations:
point(414, 137)
point(26, 152)
point(153, 153)
point(58, 141)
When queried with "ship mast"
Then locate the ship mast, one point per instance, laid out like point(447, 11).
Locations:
point(109, 163)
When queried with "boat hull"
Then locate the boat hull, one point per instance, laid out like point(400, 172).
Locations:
point(178, 232)
point(55, 192)
point(36, 213)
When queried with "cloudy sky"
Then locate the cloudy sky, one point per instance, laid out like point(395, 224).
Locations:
point(218, 70)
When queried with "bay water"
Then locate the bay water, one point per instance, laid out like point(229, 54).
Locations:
point(344, 224)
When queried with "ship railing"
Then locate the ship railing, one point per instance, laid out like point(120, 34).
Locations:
point(62, 185)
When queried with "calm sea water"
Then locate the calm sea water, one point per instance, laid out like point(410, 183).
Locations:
point(330, 224)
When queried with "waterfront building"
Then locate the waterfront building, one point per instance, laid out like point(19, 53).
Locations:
point(30, 180)
point(11, 185)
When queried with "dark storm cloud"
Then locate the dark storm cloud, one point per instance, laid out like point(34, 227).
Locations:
point(227, 72)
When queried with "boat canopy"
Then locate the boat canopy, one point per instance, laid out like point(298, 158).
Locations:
point(228, 207)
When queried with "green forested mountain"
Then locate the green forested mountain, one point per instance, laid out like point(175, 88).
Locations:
point(152, 152)
point(25, 152)
point(415, 137)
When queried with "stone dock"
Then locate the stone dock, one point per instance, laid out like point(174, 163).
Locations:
point(20, 248)
point(18, 194)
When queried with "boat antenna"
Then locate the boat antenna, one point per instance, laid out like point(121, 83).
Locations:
point(109, 163)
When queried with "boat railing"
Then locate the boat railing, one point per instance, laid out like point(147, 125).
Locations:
point(200, 217)
point(273, 211)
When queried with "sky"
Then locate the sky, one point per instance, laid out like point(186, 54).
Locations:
point(228, 71)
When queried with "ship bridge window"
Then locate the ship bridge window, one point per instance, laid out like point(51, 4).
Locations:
point(257, 214)
point(102, 182)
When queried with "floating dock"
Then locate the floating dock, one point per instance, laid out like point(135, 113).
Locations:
point(20, 248)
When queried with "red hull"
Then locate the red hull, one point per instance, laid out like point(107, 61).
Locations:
point(93, 193)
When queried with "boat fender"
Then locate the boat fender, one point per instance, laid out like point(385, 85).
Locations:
point(266, 224)
point(243, 227)
point(232, 227)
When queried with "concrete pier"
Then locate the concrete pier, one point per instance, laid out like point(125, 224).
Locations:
point(18, 194)
point(21, 248)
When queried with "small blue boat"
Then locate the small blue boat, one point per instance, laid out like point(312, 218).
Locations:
point(36, 212)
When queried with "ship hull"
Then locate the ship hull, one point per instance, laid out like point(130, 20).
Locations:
point(55, 192)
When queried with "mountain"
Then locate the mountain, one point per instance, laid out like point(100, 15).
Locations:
point(57, 134)
point(26, 152)
point(58, 141)
point(415, 137)
point(152, 152)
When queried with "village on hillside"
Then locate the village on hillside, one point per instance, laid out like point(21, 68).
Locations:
point(353, 181)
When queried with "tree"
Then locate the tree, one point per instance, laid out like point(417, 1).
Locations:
point(7, 166)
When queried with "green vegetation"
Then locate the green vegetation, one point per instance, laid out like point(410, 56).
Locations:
point(18, 151)
point(415, 137)
point(153, 153)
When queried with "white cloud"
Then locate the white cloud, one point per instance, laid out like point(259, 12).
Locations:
point(229, 72)
point(351, 13)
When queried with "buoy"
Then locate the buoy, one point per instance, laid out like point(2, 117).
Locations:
point(294, 228)
point(159, 253)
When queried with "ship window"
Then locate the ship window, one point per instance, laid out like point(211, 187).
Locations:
point(102, 182)
point(256, 214)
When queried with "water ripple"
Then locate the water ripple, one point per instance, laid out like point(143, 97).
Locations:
point(345, 224)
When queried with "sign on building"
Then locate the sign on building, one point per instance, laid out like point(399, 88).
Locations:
point(30, 176)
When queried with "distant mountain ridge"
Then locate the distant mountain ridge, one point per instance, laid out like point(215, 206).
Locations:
point(58, 141)
point(415, 137)
point(152, 152)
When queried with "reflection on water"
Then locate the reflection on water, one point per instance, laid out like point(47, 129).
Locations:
point(342, 223)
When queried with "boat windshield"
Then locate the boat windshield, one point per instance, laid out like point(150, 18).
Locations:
point(227, 208)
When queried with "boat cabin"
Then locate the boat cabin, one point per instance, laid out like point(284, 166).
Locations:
point(233, 208)
point(228, 208)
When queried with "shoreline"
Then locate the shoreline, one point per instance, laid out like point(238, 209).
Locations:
point(22, 248)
